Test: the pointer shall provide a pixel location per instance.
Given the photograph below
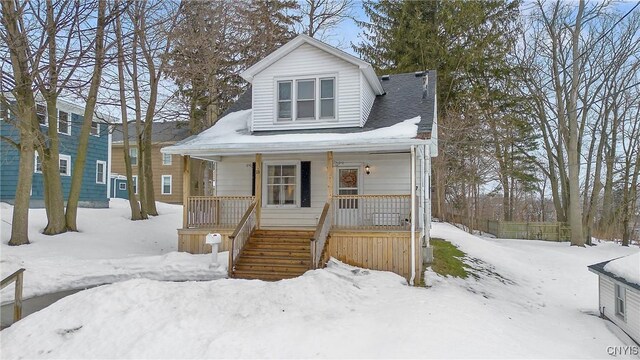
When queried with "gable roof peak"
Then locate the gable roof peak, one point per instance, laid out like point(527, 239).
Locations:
point(301, 39)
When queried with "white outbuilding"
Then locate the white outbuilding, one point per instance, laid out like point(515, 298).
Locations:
point(619, 292)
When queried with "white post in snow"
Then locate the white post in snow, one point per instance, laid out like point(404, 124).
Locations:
point(413, 214)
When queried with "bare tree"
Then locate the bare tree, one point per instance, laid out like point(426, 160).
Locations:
point(318, 18)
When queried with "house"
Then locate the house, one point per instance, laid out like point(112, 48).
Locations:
point(619, 292)
point(319, 158)
point(166, 168)
point(95, 187)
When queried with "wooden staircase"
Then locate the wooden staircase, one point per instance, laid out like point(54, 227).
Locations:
point(274, 255)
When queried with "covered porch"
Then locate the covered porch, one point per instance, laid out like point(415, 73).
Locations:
point(357, 206)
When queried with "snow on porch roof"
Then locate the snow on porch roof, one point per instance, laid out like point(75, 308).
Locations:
point(231, 136)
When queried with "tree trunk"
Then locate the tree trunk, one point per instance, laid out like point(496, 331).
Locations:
point(83, 141)
point(133, 201)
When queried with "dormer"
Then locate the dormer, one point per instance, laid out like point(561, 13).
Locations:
point(307, 84)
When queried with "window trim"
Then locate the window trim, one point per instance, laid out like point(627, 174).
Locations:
point(135, 184)
point(68, 122)
point(97, 134)
point(265, 183)
point(46, 115)
point(122, 186)
point(278, 101)
point(104, 171)
point(164, 157)
point(294, 98)
point(170, 177)
point(132, 157)
point(320, 98)
point(620, 293)
point(68, 158)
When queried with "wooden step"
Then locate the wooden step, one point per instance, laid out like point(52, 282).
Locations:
point(288, 240)
point(277, 246)
point(284, 234)
point(297, 254)
point(272, 276)
point(245, 259)
point(269, 268)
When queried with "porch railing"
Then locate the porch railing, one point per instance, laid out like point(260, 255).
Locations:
point(372, 212)
point(16, 277)
point(216, 211)
point(320, 236)
point(241, 235)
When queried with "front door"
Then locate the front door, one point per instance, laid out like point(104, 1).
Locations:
point(348, 181)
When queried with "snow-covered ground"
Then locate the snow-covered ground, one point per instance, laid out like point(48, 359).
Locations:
point(528, 299)
point(109, 247)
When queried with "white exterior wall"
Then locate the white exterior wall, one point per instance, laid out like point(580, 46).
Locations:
point(631, 323)
point(368, 96)
point(307, 60)
point(389, 175)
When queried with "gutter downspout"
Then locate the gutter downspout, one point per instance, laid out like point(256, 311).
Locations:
point(413, 214)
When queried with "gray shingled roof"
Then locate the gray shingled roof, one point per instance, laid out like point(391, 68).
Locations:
point(404, 99)
point(599, 268)
point(162, 132)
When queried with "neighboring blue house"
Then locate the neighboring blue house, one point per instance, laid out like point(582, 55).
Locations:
point(95, 184)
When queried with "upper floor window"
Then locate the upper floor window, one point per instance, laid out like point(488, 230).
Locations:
point(166, 159)
point(95, 128)
point(133, 154)
point(41, 113)
point(306, 99)
point(63, 123)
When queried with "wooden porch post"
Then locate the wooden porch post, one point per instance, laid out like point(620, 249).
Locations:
point(186, 189)
point(258, 188)
point(329, 174)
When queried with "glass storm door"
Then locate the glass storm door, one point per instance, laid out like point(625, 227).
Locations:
point(348, 180)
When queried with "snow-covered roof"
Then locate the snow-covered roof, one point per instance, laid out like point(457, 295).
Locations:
point(231, 136)
point(282, 51)
point(625, 269)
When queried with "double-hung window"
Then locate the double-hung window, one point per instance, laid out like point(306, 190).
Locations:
point(620, 300)
point(166, 184)
point(166, 159)
point(135, 183)
point(95, 128)
point(282, 184)
point(101, 172)
point(63, 123)
point(284, 100)
point(308, 98)
point(133, 154)
point(41, 113)
point(65, 165)
point(327, 98)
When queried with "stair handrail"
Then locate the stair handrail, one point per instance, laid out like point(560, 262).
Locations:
point(319, 238)
point(241, 235)
point(17, 304)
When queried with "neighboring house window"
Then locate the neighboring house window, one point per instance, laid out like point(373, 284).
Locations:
point(327, 98)
point(41, 113)
point(284, 100)
point(38, 165)
point(166, 159)
point(166, 184)
point(306, 99)
point(63, 123)
point(133, 154)
point(65, 165)
point(122, 186)
point(620, 300)
point(135, 184)
point(95, 128)
point(101, 172)
point(282, 184)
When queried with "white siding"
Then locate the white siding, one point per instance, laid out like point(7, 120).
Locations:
point(307, 60)
point(631, 324)
point(368, 96)
point(389, 175)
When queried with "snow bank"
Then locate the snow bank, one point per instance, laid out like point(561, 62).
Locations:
point(627, 267)
point(525, 301)
point(109, 247)
point(234, 129)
